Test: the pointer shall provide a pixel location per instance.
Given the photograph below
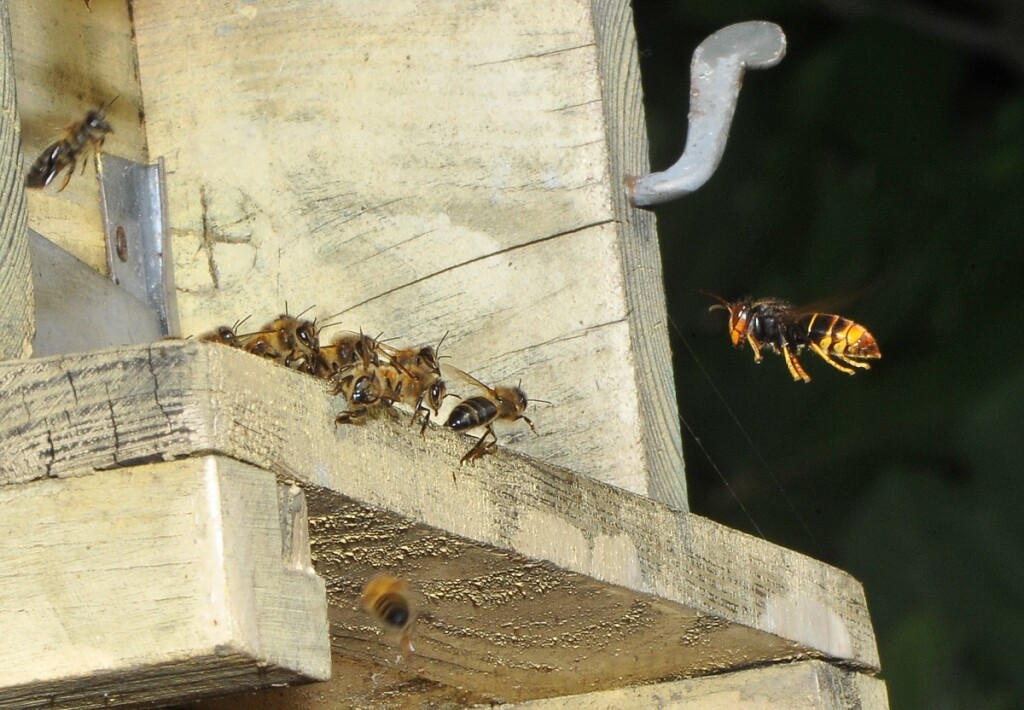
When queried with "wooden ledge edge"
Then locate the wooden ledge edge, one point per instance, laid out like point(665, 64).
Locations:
point(176, 399)
point(155, 583)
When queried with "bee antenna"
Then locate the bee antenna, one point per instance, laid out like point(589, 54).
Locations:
point(329, 324)
point(238, 323)
point(437, 348)
point(106, 107)
point(544, 401)
point(722, 303)
point(300, 314)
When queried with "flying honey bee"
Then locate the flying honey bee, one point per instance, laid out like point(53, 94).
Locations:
point(497, 403)
point(778, 327)
point(79, 137)
point(386, 599)
point(288, 340)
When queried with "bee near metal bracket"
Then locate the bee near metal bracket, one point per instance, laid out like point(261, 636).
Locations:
point(716, 75)
point(138, 246)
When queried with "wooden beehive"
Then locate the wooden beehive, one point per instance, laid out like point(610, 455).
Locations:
point(418, 168)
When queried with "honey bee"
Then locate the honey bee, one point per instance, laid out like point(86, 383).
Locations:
point(418, 380)
point(780, 328)
point(368, 372)
point(497, 403)
point(64, 153)
point(224, 335)
point(386, 599)
point(346, 350)
point(352, 363)
point(288, 340)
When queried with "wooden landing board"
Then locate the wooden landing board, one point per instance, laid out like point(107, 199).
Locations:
point(156, 583)
point(428, 168)
point(808, 685)
point(533, 581)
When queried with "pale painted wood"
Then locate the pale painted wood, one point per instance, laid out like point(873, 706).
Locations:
point(622, 100)
point(427, 167)
point(16, 305)
point(810, 685)
point(155, 583)
point(533, 581)
point(68, 60)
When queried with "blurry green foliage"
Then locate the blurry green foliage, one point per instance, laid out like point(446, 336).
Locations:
point(882, 169)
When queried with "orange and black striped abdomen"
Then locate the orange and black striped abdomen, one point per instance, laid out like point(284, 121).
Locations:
point(472, 412)
point(392, 609)
point(841, 337)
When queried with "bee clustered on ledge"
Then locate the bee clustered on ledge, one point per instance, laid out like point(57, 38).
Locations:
point(370, 374)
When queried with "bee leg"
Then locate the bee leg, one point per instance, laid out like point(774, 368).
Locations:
point(755, 347)
point(426, 416)
point(830, 359)
point(855, 363)
point(349, 417)
point(794, 365)
point(527, 420)
point(67, 178)
point(481, 447)
point(406, 645)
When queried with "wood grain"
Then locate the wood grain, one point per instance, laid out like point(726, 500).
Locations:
point(534, 581)
point(16, 304)
point(809, 685)
point(154, 583)
point(628, 152)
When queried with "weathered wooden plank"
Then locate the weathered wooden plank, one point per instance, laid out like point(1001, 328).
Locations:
point(68, 60)
point(809, 685)
point(622, 100)
point(427, 167)
point(16, 305)
point(806, 685)
point(154, 583)
point(533, 581)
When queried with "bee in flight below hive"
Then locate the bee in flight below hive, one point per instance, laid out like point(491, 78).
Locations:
point(65, 153)
point(780, 328)
point(497, 403)
point(386, 599)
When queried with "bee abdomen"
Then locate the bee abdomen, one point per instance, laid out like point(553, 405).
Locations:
point(393, 610)
point(471, 412)
point(835, 334)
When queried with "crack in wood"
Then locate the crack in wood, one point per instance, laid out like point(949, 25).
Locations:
point(482, 257)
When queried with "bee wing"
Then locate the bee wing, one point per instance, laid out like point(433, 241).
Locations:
point(450, 373)
point(46, 166)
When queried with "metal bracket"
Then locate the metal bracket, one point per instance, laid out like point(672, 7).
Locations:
point(138, 245)
point(716, 75)
point(78, 309)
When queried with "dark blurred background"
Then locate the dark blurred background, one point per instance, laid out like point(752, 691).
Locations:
point(880, 166)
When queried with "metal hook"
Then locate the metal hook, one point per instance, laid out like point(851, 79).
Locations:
point(716, 75)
